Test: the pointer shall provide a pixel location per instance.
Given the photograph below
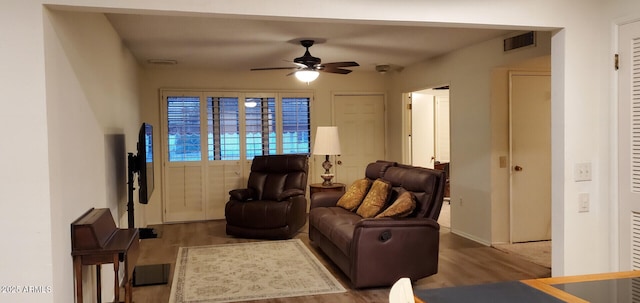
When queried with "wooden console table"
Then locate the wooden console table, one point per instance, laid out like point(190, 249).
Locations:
point(95, 240)
point(318, 187)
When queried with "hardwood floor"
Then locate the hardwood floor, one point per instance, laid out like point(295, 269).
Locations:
point(462, 262)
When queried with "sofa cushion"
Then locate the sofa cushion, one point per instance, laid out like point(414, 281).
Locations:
point(401, 207)
point(355, 194)
point(375, 200)
point(336, 224)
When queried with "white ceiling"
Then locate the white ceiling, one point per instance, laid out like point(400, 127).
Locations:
point(242, 44)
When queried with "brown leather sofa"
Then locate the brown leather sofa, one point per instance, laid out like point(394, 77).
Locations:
point(377, 252)
point(273, 206)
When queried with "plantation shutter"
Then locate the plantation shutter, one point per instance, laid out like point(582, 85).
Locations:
point(184, 174)
point(210, 137)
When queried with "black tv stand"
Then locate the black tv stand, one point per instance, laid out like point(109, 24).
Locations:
point(148, 274)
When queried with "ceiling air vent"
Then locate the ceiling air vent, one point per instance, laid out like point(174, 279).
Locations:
point(520, 41)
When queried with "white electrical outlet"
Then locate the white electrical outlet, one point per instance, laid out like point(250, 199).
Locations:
point(583, 202)
point(582, 172)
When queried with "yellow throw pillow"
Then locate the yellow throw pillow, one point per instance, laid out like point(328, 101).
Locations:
point(375, 200)
point(355, 194)
point(402, 207)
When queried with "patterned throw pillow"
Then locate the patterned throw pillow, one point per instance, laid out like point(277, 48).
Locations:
point(375, 200)
point(355, 194)
point(402, 207)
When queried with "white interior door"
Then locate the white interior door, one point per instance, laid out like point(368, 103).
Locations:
point(430, 135)
point(443, 140)
point(423, 129)
point(530, 104)
point(360, 121)
point(629, 146)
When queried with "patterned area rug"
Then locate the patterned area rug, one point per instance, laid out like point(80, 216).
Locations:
point(249, 271)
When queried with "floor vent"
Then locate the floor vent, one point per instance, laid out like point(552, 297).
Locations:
point(520, 41)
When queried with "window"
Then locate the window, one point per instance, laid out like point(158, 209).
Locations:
point(183, 128)
point(296, 126)
point(260, 126)
point(223, 126)
point(237, 126)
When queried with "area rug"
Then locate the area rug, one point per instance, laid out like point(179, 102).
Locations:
point(249, 271)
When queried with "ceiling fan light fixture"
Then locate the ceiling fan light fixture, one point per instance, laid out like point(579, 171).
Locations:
point(307, 75)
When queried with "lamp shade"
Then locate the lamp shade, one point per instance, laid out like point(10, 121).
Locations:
point(327, 141)
point(307, 75)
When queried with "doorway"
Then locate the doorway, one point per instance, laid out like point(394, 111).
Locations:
point(428, 136)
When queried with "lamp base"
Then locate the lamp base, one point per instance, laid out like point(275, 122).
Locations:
point(327, 176)
point(327, 179)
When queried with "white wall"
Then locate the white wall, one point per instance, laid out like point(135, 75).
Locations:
point(92, 120)
point(25, 215)
point(582, 102)
point(155, 79)
point(468, 72)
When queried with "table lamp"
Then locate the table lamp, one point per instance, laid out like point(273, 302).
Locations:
point(327, 143)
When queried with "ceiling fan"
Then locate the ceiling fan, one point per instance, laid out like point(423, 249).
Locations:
point(308, 66)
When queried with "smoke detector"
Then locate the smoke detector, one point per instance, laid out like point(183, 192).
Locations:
point(383, 68)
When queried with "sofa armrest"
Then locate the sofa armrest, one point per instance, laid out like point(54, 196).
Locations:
point(325, 199)
point(290, 193)
point(242, 194)
point(406, 247)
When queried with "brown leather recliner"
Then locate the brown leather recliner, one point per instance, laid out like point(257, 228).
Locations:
point(378, 251)
point(273, 206)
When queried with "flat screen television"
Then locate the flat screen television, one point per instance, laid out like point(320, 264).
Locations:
point(145, 163)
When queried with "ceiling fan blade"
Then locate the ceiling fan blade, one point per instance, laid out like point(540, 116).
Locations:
point(335, 70)
point(273, 68)
point(309, 62)
point(341, 64)
point(300, 65)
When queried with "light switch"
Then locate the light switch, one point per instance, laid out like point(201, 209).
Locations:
point(503, 161)
point(583, 202)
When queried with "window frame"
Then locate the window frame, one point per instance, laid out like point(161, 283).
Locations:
point(241, 96)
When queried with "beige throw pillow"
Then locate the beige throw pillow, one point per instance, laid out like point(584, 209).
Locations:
point(355, 194)
point(401, 207)
point(375, 200)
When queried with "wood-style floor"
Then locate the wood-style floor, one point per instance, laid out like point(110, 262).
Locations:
point(462, 262)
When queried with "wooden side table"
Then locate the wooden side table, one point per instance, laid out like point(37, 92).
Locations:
point(95, 240)
point(318, 187)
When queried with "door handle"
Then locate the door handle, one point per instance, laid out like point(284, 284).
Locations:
point(339, 162)
point(517, 168)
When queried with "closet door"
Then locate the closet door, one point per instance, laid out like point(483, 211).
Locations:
point(360, 121)
point(629, 145)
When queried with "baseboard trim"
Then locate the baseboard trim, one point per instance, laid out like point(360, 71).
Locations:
point(471, 237)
